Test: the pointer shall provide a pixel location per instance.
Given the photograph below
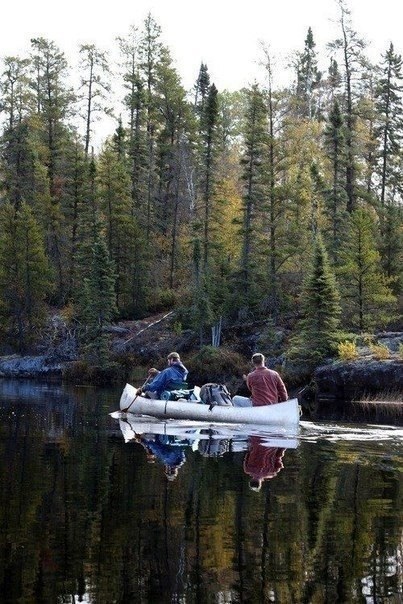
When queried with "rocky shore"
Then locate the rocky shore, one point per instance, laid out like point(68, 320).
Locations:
point(337, 389)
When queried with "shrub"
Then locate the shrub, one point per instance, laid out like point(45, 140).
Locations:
point(160, 300)
point(380, 351)
point(347, 351)
point(400, 351)
point(211, 364)
point(82, 372)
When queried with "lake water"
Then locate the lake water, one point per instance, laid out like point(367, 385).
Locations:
point(97, 509)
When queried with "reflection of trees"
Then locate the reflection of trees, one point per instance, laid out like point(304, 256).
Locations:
point(89, 514)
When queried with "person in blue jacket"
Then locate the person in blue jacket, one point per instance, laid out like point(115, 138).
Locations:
point(165, 379)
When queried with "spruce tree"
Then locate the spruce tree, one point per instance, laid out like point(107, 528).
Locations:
point(317, 331)
point(335, 194)
point(253, 176)
point(96, 303)
point(367, 298)
point(308, 79)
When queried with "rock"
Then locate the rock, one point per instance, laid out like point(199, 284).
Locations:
point(340, 383)
point(28, 366)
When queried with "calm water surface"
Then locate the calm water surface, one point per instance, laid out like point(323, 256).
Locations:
point(99, 509)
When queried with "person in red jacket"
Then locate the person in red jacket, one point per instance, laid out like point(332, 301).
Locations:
point(265, 385)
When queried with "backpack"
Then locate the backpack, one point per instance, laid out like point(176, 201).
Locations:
point(215, 394)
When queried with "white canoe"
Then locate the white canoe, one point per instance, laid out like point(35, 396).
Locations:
point(284, 414)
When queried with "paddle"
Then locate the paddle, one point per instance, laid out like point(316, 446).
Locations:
point(138, 394)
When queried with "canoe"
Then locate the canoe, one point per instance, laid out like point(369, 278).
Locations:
point(284, 414)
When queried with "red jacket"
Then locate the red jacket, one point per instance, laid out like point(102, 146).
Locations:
point(266, 387)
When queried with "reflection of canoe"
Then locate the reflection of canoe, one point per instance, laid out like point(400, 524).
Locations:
point(279, 415)
point(190, 432)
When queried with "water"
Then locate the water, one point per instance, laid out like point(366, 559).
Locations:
point(97, 509)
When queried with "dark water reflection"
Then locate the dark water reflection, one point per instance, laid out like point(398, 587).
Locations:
point(89, 514)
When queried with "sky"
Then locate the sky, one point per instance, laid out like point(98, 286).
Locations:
point(224, 34)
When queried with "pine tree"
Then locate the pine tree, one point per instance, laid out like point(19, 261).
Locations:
point(351, 47)
point(134, 102)
point(95, 86)
point(54, 99)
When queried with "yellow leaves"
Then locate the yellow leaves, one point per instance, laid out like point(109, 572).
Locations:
point(347, 351)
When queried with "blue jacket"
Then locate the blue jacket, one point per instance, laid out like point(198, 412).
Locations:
point(176, 372)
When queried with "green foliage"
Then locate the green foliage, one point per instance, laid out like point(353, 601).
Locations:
point(211, 364)
point(97, 303)
point(366, 295)
point(245, 176)
point(85, 372)
point(160, 300)
point(25, 276)
point(318, 329)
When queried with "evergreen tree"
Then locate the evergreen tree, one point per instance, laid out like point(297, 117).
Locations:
point(202, 88)
point(335, 195)
point(351, 48)
point(95, 87)
point(25, 278)
point(207, 174)
point(317, 331)
point(172, 202)
point(52, 135)
point(17, 150)
point(122, 233)
point(75, 211)
point(134, 102)
point(96, 304)
point(389, 107)
point(308, 79)
point(366, 295)
point(150, 53)
point(389, 133)
point(16, 99)
point(254, 190)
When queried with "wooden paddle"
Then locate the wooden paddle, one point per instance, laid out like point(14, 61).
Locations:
point(138, 394)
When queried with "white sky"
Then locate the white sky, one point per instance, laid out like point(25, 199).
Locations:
point(225, 34)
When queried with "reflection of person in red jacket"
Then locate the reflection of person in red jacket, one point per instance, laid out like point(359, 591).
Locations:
point(261, 462)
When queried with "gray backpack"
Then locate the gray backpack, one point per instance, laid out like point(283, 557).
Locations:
point(215, 394)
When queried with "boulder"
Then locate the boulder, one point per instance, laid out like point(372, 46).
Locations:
point(339, 384)
point(29, 366)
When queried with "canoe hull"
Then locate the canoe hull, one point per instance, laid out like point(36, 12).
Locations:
point(281, 414)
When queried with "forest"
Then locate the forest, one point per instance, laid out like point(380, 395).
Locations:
point(275, 203)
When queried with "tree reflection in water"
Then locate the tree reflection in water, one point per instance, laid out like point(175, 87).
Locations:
point(84, 516)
